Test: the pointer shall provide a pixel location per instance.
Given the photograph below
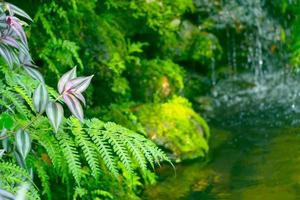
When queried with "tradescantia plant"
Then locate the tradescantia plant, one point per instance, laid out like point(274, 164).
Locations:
point(70, 89)
point(75, 150)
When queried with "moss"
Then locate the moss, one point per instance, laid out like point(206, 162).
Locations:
point(156, 80)
point(175, 126)
point(190, 44)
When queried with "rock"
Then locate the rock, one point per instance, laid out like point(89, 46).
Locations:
point(176, 127)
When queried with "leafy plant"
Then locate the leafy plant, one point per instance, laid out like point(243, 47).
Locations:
point(33, 152)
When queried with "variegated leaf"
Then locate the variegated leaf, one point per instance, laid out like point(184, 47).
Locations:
point(23, 189)
point(65, 78)
point(74, 105)
point(6, 195)
point(40, 98)
point(6, 54)
point(20, 160)
point(23, 142)
point(55, 113)
point(14, 10)
point(10, 41)
point(79, 84)
point(4, 139)
point(79, 96)
point(34, 73)
point(2, 152)
point(14, 23)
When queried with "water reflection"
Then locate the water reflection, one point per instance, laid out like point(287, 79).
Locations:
point(244, 164)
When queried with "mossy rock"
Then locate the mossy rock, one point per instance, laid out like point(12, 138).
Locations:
point(175, 126)
point(156, 80)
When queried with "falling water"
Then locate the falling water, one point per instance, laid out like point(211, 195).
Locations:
point(234, 61)
point(213, 71)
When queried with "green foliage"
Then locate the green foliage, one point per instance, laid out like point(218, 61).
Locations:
point(295, 39)
point(191, 44)
point(79, 149)
point(156, 80)
point(12, 175)
point(176, 127)
point(80, 152)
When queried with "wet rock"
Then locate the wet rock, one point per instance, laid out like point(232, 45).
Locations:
point(176, 127)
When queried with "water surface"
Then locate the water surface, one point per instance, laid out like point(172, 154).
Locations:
point(255, 148)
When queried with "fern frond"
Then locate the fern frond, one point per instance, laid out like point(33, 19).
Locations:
point(135, 151)
point(79, 192)
point(13, 176)
point(102, 193)
point(44, 178)
point(71, 155)
point(127, 145)
point(17, 102)
point(103, 147)
point(119, 149)
point(23, 93)
point(87, 146)
point(51, 146)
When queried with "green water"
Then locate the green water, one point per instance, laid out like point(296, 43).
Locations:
point(244, 163)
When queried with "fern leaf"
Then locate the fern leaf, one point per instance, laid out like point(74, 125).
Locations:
point(43, 176)
point(24, 95)
point(85, 143)
point(118, 146)
point(136, 152)
point(13, 175)
point(17, 102)
point(51, 146)
point(71, 155)
point(104, 149)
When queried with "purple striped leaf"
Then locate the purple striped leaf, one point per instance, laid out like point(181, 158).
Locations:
point(2, 152)
point(78, 85)
point(23, 143)
point(79, 96)
point(6, 195)
point(5, 141)
point(55, 113)
point(34, 73)
point(7, 55)
point(74, 105)
point(10, 41)
point(20, 160)
point(65, 78)
point(14, 23)
point(14, 10)
point(40, 98)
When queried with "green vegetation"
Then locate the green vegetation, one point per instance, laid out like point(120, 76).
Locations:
point(143, 68)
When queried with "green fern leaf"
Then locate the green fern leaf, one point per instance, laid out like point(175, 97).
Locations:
point(85, 143)
point(71, 155)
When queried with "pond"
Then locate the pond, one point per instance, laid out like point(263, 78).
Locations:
point(255, 153)
point(244, 164)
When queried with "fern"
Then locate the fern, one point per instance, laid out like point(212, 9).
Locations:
point(52, 147)
point(103, 147)
point(45, 179)
point(127, 145)
point(119, 148)
point(16, 101)
point(79, 192)
point(87, 146)
point(12, 175)
point(78, 149)
point(71, 155)
point(27, 97)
